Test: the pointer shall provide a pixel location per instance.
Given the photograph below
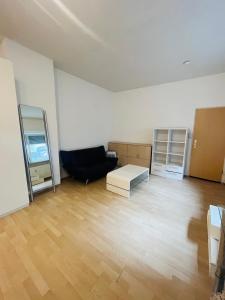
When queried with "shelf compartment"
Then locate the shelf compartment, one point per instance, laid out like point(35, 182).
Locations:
point(176, 148)
point(176, 154)
point(159, 158)
point(160, 152)
point(178, 135)
point(161, 134)
point(158, 167)
point(175, 160)
point(174, 175)
point(161, 147)
point(174, 168)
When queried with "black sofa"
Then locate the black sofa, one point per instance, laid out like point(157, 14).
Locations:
point(87, 164)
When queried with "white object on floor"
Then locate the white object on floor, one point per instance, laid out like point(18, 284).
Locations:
point(214, 228)
point(169, 152)
point(121, 180)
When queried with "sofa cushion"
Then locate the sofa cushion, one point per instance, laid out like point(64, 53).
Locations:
point(82, 157)
point(86, 157)
point(95, 171)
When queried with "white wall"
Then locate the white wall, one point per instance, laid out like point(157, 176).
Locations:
point(84, 112)
point(138, 111)
point(13, 191)
point(35, 86)
point(89, 115)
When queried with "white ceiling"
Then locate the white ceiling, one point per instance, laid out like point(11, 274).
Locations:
point(122, 44)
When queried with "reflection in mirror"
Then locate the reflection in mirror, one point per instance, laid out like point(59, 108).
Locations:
point(36, 148)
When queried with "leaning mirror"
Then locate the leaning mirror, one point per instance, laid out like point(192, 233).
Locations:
point(37, 154)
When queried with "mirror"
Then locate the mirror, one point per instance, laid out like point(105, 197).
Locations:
point(37, 154)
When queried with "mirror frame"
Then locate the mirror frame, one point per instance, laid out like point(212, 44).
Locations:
point(26, 160)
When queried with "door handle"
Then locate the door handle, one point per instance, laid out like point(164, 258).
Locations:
point(195, 144)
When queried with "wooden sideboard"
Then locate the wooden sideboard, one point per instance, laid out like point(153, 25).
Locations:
point(132, 153)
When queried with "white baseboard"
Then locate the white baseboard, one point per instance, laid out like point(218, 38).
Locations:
point(13, 210)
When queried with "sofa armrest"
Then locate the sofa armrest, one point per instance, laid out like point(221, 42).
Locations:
point(112, 159)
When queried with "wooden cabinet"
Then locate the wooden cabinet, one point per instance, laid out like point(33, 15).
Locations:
point(132, 153)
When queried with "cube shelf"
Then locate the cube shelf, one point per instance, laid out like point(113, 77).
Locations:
point(169, 152)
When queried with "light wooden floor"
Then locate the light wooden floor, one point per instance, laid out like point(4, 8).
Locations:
point(86, 243)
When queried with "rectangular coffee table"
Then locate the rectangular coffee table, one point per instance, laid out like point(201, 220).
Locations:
point(121, 180)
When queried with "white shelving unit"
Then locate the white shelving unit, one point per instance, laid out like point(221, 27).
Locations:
point(169, 152)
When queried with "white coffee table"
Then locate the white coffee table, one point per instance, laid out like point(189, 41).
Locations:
point(121, 180)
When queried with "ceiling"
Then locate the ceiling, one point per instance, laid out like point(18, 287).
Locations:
point(122, 44)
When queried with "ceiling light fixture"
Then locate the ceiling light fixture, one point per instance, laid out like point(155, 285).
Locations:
point(186, 62)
